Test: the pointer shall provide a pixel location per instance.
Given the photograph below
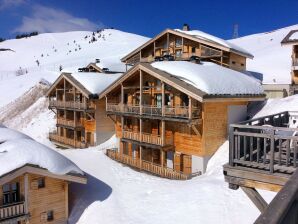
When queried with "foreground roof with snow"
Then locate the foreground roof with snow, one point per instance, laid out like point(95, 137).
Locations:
point(211, 78)
point(18, 150)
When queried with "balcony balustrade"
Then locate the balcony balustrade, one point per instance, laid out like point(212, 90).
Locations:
point(11, 211)
point(66, 141)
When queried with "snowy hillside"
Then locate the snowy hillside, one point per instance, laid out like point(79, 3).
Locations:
point(270, 58)
point(41, 57)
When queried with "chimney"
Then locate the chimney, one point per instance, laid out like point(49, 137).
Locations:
point(185, 27)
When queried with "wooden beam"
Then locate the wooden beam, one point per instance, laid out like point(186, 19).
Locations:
point(26, 189)
point(141, 91)
point(162, 98)
point(122, 94)
point(189, 108)
point(163, 132)
point(66, 199)
point(195, 130)
point(256, 198)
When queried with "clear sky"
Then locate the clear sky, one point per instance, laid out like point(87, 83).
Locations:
point(146, 18)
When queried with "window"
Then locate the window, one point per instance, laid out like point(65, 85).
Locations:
point(242, 64)
point(50, 216)
point(178, 42)
point(178, 53)
point(193, 50)
point(233, 62)
point(41, 183)
point(11, 193)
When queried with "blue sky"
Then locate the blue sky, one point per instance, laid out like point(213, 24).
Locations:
point(146, 18)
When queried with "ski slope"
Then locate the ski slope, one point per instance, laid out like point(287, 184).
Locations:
point(271, 59)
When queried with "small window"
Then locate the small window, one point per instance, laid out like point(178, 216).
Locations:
point(50, 216)
point(233, 62)
point(193, 50)
point(242, 64)
point(41, 183)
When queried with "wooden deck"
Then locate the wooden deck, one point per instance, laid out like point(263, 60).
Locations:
point(69, 123)
point(66, 142)
point(262, 154)
point(147, 166)
point(68, 104)
point(151, 110)
point(14, 211)
point(148, 138)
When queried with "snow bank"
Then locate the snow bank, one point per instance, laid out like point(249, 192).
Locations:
point(111, 143)
point(205, 36)
point(271, 59)
point(211, 78)
point(95, 82)
point(274, 106)
point(17, 150)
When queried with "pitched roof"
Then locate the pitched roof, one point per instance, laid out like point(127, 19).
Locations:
point(291, 38)
point(89, 83)
point(198, 36)
point(18, 150)
point(189, 77)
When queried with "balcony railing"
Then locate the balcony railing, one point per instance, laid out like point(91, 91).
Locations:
point(12, 210)
point(147, 166)
point(70, 123)
point(148, 138)
point(68, 104)
point(265, 143)
point(66, 141)
point(177, 112)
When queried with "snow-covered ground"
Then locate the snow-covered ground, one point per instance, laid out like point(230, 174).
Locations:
point(271, 59)
point(118, 194)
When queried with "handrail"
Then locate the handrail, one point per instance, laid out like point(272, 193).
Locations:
point(12, 210)
point(147, 166)
point(71, 123)
point(148, 138)
point(53, 136)
point(264, 147)
point(68, 104)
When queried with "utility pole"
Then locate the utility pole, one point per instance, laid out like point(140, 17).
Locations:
point(235, 32)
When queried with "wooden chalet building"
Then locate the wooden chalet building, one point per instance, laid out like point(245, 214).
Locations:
point(80, 113)
point(171, 116)
point(34, 181)
point(188, 45)
point(292, 39)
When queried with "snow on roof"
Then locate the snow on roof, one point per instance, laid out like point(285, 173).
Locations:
point(95, 82)
point(17, 150)
point(211, 78)
point(294, 36)
point(205, 36)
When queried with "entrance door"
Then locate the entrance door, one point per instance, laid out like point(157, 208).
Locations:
point(186, 164)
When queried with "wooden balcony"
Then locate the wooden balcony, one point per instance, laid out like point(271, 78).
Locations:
point(14, 211)
point(69, 123)
point(68, 104)
point(148, 138)
point(147, 166)
point(151, 110)
point(61, 140)
point(262, 154)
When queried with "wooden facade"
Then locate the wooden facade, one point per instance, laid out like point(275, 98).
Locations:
point(166, 124)
point(263, 154)
point(81, 117)
point(33, 195)
point(182, 46)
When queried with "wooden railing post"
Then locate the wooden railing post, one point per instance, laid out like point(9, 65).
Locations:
point(26, 192)
point(189, 108)
point(231, 146)
point(272, 152)
point(141, 92)
point(162, 98)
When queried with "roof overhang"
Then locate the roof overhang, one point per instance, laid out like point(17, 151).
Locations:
point(182, 86)
point(190, 37)
point(29, 168)
point(287, 40)
point(74, 82)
